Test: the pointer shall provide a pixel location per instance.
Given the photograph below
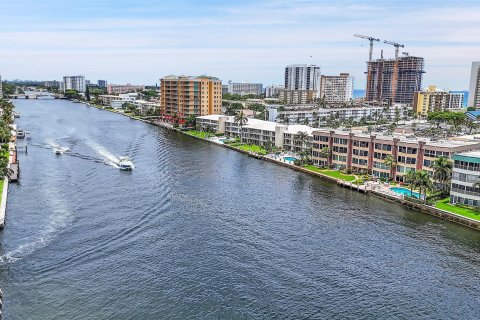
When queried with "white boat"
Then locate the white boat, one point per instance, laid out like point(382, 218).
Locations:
point(58, 151)
point(20, 134)
point(125, 163)
point(27, 134)
point(16, 114)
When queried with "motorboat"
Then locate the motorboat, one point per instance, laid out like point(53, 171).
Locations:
point(27, 135)
point(125, 163)
point(20, 134)
point(58, 151)
point(16, 114)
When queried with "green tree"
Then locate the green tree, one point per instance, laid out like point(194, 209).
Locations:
point(191, 121)
point(240, 119)
point(442, 172)
point(410, 178)
point(301, 138)
point(423, 183)
point(391, 162)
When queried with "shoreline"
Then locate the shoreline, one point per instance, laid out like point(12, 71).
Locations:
point(426, 209)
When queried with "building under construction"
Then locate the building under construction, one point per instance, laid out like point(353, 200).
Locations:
point(394, 80)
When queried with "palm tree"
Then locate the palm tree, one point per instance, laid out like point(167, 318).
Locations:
point(240, 119)
point(423, 183)
point(410, 177)
point(301, 138)
point(442, 172)
point(391, 162)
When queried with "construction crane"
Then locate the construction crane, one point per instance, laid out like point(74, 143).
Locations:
point(371, 39)
point(396, 45)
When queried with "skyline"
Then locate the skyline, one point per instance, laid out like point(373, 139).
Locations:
point(132, 41)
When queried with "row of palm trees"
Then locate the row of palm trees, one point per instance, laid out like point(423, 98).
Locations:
point(5, 135)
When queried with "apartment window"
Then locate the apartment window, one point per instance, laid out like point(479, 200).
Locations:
point(407, 150)
point(382, 146)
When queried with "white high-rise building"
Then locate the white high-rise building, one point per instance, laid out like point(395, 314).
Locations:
point(302, 77)
point(272, 91)
point(336, 89)
point(74, 83)
point(244, 88)
point(474, 91)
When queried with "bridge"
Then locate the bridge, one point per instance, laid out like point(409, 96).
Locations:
point(39, 95)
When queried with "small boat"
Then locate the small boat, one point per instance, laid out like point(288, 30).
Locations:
point(20, 134)
point(16, 114)
point(27, 135)
point(125, 163)
point(58, 151)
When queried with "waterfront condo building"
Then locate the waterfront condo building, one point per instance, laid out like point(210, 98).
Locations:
point(244, 88)
point(123, 88)
point(362, 152)
point(394, 80)
point(258, 132)
point(336, 89)
point(474, 91)
point(433, 99)
point(73, 83)
point(302, 78)
point(466, 173)
point(183, 96)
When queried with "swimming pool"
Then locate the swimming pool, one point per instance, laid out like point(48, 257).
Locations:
point(405, 192)
point(291, 159)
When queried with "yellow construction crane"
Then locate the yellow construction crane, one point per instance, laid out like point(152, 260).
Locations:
point(371, 39)
point(396, 45)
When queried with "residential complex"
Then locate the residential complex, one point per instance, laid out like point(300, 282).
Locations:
point(183, 96)
point(244, 88)
point(302, 77)
point(465, 176)
point(364, 152)
point(297, 96)
point(102, 83)
point(73, 83)
point(52, 84)
point(272, 91)
point(394, 80)
point(336, 89)
point(123, 88)
point(433, 99)
point(257, 132)
point(474, 91)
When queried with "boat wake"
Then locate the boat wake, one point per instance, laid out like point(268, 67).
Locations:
point(60, 218)
point(108, 157)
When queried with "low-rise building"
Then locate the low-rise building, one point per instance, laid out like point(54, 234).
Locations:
point(433, 99)
point(257, 132)
point(465, 176)
point(367, 152)
point(297, 96)
point(124, 88)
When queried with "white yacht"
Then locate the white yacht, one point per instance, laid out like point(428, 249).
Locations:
point(125, 163)
point(58, 151)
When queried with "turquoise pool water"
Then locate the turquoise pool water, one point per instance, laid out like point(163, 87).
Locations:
point(405, 192)
point(289, 158)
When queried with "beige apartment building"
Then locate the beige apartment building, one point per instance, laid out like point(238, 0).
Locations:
point(183, 96)
point(362, 152)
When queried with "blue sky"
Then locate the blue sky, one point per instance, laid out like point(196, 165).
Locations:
point(141, 41)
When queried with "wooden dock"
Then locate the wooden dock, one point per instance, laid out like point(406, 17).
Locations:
point(15, 172)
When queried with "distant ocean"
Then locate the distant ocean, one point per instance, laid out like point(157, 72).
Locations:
point(361, 94)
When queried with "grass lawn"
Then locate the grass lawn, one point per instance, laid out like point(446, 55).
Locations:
point(251, 148)
point(445, 205)
point(199, 134)
point(332, 173)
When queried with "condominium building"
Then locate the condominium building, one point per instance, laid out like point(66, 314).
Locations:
point(474, 91)
point(73, 83)
point(257, 132)
point(183, 96)
point(297, 96)
point(244, 88)
point(367, 152)
point(272, 91)
point(433, 99)
point(465, 175)
point(102, 83)
point(51, 84)
point(394, 80)
point(124, 88)
point(336, 89)
point(302, 77)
